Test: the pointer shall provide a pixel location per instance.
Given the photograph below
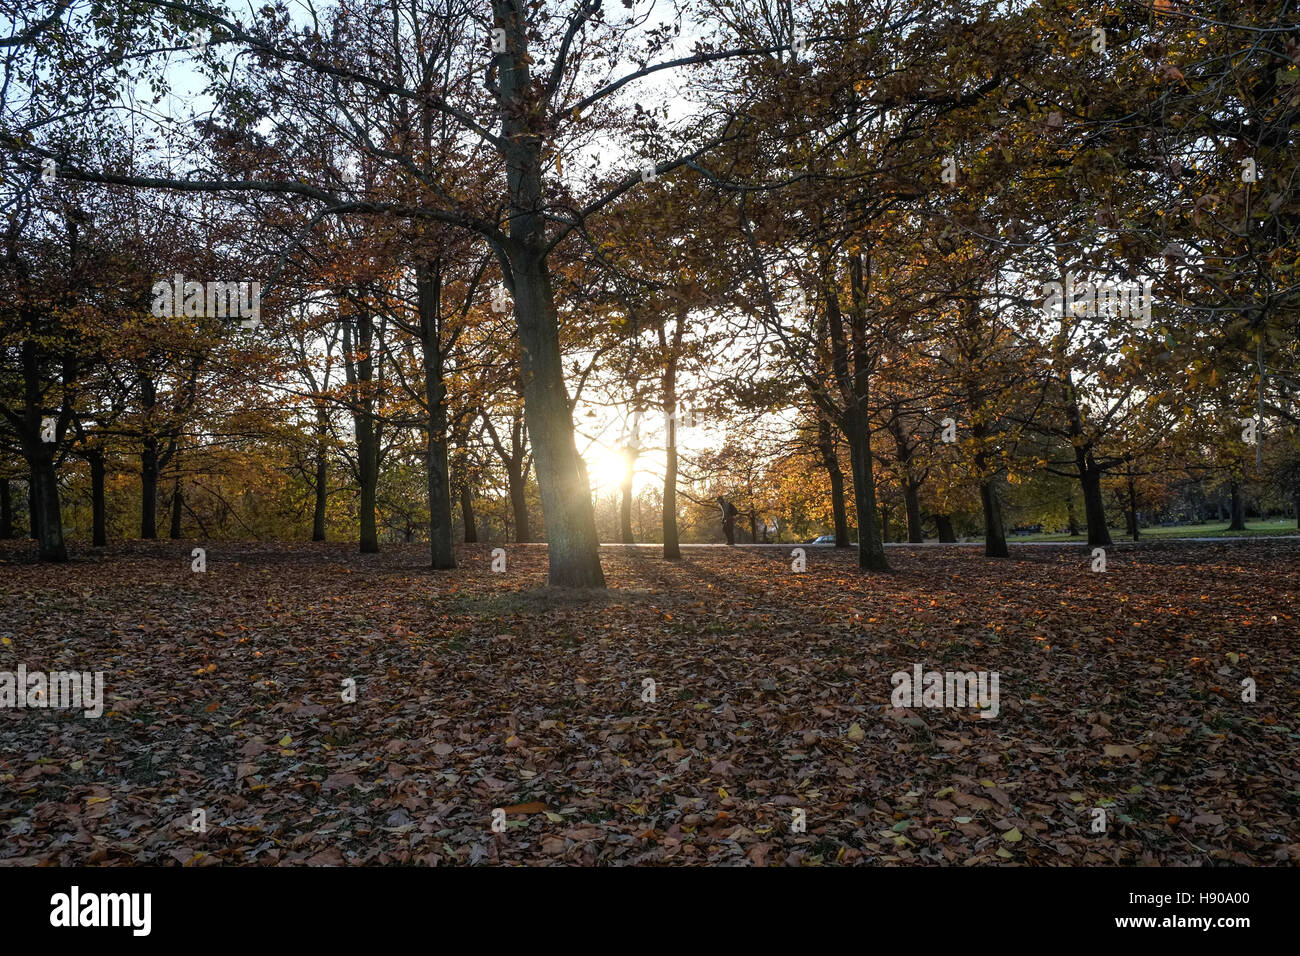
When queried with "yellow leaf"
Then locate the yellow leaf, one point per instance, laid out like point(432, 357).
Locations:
point(1013, 835)
point(722, 793)
point(857, 733)
point(286, 740)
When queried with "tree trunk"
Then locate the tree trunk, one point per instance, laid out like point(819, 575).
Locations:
point(912, 496)
point(573, 549)
point(98, 516)
point(322, 475)
point(149, 489)
point(1132, 510)
point(1297, 510)
point(1238, 508)
point(946, 534)
point(995, 534)
point(1072, 516)
point(174, 532)
point(49, 520)
point(831, 462)
point(672, 548)
point(871, 550)
point(625, 506)
point(6, 511)
point(884, 524)
point(429, 292)
point(33, 508)
point(467, 514)
point(517, 481)
point(360, 367)
point(1094, 506)
point(368, 461)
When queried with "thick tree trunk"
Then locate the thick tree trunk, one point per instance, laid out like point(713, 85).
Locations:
point(946, 533)
point(1094, 506)
point(572, 546)
point(149, 490)
point(33, 508)
point(573, 549)
point(429, 292)
point(322, 475)
point(98, 511)
point(368, 461)
point(49, 521)
point(995, 534)
point(6, 510)
point(178, 502)
point(871, 550)
point(1238, 512)
point(360, 366)
point(467, 514)
point(831, 462)
point(517, 482)
point(912, 497)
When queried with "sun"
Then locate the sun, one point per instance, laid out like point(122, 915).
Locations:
point(605, 468)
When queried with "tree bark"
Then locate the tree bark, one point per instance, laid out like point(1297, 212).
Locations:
point(573, 549)
point(572, 545)
point(149, 489)
point(467, 514)
point(1072, 516)
point(6, 510)
point(517, 482)
point(1238, 510)
point(831, 462)
point(995, 535)
point(49, 523)
point(98, 515)
point(429, 292)
point(360, 368)
point(33, 507)
point(1132, 510)
point(1094, 506)
point(178, 501)
point(995, 532)
point(672, 546)
point(322, 475)
point(871, 550)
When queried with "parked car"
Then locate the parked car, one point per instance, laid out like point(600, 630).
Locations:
point(822, 539)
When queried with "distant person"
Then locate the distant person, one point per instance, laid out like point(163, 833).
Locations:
point(729, 513)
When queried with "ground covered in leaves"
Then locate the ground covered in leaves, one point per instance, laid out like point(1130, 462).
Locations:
point(476, 690)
